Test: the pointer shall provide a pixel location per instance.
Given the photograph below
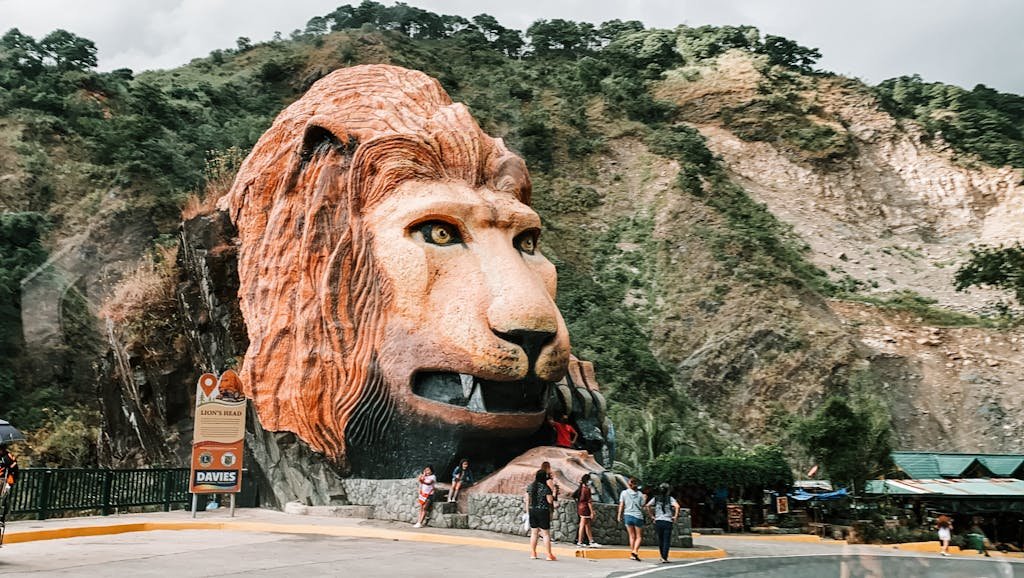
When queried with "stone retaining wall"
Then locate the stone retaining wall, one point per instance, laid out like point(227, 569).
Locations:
point(391, 499)
point(503, 513)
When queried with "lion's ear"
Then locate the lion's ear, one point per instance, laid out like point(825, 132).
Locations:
point(319, 140)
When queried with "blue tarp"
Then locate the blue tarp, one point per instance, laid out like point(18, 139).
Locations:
point(803, 496)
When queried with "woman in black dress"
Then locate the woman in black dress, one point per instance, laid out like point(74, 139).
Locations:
point(538, 508)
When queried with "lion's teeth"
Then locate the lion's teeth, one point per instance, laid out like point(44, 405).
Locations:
point(476, 400)
point(467, 384)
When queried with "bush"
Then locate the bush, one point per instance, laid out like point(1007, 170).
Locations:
point(764, 467)
point(67, 439)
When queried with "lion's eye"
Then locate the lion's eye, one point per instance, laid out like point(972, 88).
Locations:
point(527, 241)
point(440, 233)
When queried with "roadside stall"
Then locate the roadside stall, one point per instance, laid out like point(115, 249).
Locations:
point(996, 505)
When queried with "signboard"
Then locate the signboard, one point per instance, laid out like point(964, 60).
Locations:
point(219, 435)
point(735, 516)
point(782, 505)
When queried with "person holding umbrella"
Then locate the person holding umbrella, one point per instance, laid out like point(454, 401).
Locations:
point(8, 470)
point(8, 465)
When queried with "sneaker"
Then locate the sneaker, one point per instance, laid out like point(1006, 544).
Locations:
point(580, 545)
point(595, 545)
point(417, 525)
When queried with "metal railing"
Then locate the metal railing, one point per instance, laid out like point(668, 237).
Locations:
point(48, 491)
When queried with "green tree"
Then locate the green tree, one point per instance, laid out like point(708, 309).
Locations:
point(646, 433)
point(69, 51)
point(851, 442)
point(999, 267)
point(559, 37)
point(21, 251)
point(785, 52)
point(706, 42)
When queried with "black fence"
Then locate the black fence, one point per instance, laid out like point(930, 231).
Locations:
point(45, 492)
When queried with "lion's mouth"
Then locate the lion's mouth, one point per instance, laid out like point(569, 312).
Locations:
point(481, 395)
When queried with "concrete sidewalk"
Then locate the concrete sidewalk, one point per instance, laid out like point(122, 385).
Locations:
point(272, 521)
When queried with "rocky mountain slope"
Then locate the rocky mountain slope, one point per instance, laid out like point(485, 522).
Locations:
point(737, 237)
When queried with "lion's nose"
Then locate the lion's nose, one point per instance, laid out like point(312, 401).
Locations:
point(530, 341)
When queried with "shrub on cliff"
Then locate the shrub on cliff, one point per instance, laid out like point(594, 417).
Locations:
point(998, 267)
point(763, 467)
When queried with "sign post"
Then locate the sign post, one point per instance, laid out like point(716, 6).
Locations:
point(782, 505)
point(734, 513)
point(218, 438)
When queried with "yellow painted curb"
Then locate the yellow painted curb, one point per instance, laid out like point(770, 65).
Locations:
point(622, 554)
point(339, 531)
point(932, 546)
point(778, 538)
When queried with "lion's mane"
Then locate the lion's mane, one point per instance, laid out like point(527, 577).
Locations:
point(312, 296)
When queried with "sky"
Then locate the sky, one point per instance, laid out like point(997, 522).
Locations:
point(962, 42)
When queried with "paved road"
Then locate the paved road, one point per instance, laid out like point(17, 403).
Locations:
point(252, 554)
point(837, 565)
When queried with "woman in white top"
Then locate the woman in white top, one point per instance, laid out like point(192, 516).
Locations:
point(945, 533)
point(631, 503)
point(665, 510)
point(426, 480)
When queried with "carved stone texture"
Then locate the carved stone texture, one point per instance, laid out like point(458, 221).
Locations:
point(398, 309)
point(567, 467)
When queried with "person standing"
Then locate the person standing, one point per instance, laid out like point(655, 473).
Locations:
point(426, 480)
point(977, 535)
point(551, 483)
point(461, 476)
point(585, 508)
point(945, 526)
point(631, 503)
point(8, 477)
point(665, 511)
point(539, 501)
point(565, 434)
point(8, 470)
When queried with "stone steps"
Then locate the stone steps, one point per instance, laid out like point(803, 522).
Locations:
point(458, 521)
point(447, 507)
point(364, 512)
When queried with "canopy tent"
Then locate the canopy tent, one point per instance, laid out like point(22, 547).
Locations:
point(825, 485)
point(803, 496)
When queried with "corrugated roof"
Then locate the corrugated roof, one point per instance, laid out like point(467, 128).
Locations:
point(1002, 465)
point(961, 488)
point(953, 465)
point(917, 465)
point(931, 465)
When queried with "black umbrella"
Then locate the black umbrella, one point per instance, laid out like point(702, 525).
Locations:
point(9, 434)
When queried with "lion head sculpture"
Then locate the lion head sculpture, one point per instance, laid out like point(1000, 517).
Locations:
point(396, 302)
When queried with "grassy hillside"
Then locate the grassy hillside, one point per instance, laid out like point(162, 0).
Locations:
point(707, 322)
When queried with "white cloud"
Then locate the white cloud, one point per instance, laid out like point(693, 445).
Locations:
point(963, 42)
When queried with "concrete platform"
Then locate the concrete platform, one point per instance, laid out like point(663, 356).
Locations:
point(270, 521)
